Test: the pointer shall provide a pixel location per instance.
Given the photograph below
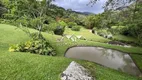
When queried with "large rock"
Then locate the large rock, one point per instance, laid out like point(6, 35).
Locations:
point(109, 36)
point(76, 72)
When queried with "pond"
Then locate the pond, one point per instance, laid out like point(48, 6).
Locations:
point(106, 57)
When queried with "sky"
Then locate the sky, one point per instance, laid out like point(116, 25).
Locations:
point(81, 5)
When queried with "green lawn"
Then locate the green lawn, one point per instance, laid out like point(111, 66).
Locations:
point(125, 38)
point(87, 34)
point(138, 60)
point(26, 66)
point(11, 34)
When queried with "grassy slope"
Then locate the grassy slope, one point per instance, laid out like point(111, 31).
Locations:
point(87, 34)
point(95, 41)
point(19, 66)
point(124, 38)
point(138, 60)
point(25, 66)
point(9, 34)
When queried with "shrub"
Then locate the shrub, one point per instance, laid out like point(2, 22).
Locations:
point(33, 23)
point(36, 36)
point(13, 48)
point(62, 23)
point(71, 24)
point(76, 28)
point(49, 20)
point(41, 47)
point(94, 30)
point(22, 22)
point(117, 29)
point(59, 30)
point(1, 20)
point(45, 27)
point(104, 33)
point(36, 45)
point(52, 26)
point(5, 21)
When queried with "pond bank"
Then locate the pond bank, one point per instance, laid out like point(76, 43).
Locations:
point(106, 57)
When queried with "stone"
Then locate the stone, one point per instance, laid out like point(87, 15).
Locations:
point(73, 38)
point(116, 43)
point(128, 46)
point(68, 36)
point(79, 36)
point(96, 33)
point(109, 36)
point(76, 72)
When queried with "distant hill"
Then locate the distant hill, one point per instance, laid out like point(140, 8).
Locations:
point(87, 13)
point(83, 13)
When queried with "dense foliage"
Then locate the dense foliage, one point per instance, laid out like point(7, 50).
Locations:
point(76, 28)
point(35, 46)
point(71, 24)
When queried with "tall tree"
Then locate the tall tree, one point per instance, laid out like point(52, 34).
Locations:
point(33, 10)
point(2, 9)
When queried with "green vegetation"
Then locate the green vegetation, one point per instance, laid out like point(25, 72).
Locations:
point(117, 29)
point(50, 67)
point(76, 28)
point(51, 25)
point(71, 24)
point(40, 46)
point(137, 59)
point(125, 38)
point(87, 34)
point(29, 66)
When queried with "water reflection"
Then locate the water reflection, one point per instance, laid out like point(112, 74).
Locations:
point(107, 57)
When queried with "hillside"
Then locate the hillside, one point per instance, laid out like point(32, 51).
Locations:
point(18, 65)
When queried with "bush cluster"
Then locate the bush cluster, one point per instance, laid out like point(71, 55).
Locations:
point(102, 32)
point(117, 29)
point(36, 46)
point(71, 24)
point(58, 28)
point(76, 28)
point(62, 23)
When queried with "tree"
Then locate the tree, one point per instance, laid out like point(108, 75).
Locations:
point(33, 10)
point(90, 21)
point(2, 9)
point(113, 3)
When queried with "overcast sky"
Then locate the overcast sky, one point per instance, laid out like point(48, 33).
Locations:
point(81, 5)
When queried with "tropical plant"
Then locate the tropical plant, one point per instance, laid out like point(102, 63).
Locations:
point(35, 46)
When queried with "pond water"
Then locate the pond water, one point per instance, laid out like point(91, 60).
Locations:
point(106, 57)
